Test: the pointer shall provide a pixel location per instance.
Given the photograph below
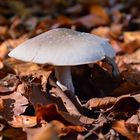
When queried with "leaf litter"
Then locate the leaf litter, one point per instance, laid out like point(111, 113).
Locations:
point(33, 107)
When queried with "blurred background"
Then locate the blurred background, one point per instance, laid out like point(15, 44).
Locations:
point(116, 20)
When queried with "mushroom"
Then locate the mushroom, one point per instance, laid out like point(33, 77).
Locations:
point(63, 48)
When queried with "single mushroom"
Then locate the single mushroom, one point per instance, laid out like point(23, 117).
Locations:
point(63, 48)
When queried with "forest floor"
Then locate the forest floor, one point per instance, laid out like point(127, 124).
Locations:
point(33, 107)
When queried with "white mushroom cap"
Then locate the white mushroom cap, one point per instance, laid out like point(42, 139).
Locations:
point(63, 46)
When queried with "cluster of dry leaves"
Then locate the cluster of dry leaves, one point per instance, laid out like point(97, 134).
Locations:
point(33, 107)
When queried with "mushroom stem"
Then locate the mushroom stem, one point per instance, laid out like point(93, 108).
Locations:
point(63, 75)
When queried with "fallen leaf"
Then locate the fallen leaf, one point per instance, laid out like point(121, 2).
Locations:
point(1, 64)
point(131, 36)
point(62, 129)
point(136, 96)
point(134, 119)
point(14, 104)
point(58, 127)
point(8, 84)
point(23, 121)
point(71, 103)
point(101, 102)
point(3, 51)
point(126, 104)
point(37, 96)
point(1, 127)
point(66, 101)
point(132, 58)
point(51, 112)
point(120, 126)
point(3, 30)
point(126, 88)
point(1, 105)
point(13, 134)
point(12, 43)
point(102, 31)
point(63, 20)
point(5, 70)
point(133, 78)
point(43, 133)
point(126, 65)
point(47, 113)
point(99, 11)
point(23, 69)
point(130, 47)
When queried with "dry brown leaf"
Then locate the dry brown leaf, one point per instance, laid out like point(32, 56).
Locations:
point(70, 106)
point(6, 70)
point(99, 11)
point(48, 113)
point(69, 100)
point(24, 69)
point(101, 31)
point(126, 65)
point(14, 103)
point(130, 47)
point(131, 41)
point(126, 88)
point(62, 129)
point(12, 43)
point(1, 127)
point(132, 58)
point(37, 94)
point(137, 96)
point(126, 104)
point(3, 30)
point(133, 120)
point(43, 25)
point(63, 20)
point(51, 112)
point(13, 134)
point(101, 102)
point(8, 84)
point(1, 105)
point(59, 128)
point(131, 36)
point(42, 133)
point(120, 127)
point(130, 69)
point(1, 64)
point(23, 121)
point(133, 77)
point(3, 51)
